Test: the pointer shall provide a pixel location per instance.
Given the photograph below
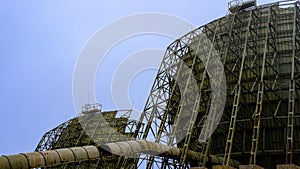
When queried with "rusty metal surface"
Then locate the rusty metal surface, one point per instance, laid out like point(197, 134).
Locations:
point(79, 154)
point(147, 147)
point(17, 161)
point(129, 147)
point(35, 159)
point(4, 162)
point(48, 158)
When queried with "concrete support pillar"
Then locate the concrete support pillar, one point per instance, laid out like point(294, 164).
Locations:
point(222, 167)
point(250, 167)
point(287, 166)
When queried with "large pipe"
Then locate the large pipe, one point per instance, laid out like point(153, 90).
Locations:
point(77, 154)
point(147, 147)
point(49, 158)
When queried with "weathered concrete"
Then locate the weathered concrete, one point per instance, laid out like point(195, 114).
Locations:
point(250, 167)
point(287, 166)
point(222, 167)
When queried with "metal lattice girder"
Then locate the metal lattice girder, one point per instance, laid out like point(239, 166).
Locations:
point(267, 69)
point(247, 43)
point(50, 138)
point(259, 50)
point(250, 32)
point(91, 129)
point(162, 126)
point(292, 87)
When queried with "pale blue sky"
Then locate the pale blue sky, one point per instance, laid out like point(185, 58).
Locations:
point(39, 45)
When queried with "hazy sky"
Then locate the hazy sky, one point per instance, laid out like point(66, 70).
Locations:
point(40, 42)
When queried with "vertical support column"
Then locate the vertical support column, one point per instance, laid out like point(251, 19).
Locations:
point(182, 76)
point(269, 49)
point(226, 31)
point(158, 98)
point(236, 99)
point(197, 101)
point(163, 121)
point(291, 104)
point(179, 110)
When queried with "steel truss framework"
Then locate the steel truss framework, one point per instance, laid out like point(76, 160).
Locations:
point(91, 129)
point(259, 48)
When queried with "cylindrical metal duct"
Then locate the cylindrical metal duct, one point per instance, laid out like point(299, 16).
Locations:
point(77, 154)
point(49, 158)
point(147, 147)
